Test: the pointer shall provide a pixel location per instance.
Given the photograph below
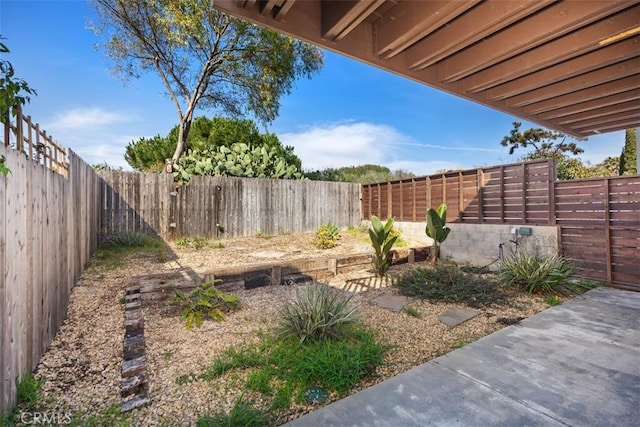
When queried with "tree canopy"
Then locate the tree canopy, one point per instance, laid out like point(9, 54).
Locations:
point(364, 174)
point(14, 91)
point(148, 154)
point(205, 59)
point(629, 156)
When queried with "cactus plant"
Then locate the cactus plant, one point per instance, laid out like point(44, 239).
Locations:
point(436, 229)
point(382, 241)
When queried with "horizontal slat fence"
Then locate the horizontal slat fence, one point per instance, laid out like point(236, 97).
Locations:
point(509, 194)
point(241, 206)
point(48, 229)
point(599, 222)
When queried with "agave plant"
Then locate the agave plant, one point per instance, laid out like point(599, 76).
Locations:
point(436, 229)
point(382, 240)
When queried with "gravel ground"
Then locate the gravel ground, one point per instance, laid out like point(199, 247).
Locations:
point(82, 367)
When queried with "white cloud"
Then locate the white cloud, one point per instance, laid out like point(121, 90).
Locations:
point(358, 143)
point(84, 118)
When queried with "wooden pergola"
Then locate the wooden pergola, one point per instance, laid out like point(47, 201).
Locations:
point(572, 66)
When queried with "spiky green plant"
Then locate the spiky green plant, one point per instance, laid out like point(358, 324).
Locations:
point(534, 272)
point(436, 229)
point(327, 236)
point(382, 241)
point(204, 301)
point(318, 312)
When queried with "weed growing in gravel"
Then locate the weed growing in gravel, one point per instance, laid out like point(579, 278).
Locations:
point(411, 311)
point(446, 282)
point(110, 416)
point(29, 397)
point(244, 413)
point(129, 239)
point(265, 236)
point(197, 243)
point(551, 300)
point(117, 252)
point(202, 302)
point(318, 312)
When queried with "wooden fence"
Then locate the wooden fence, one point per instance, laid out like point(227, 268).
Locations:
point(599, 221)
point(223, 206)
point(26, 136)
point(510, 194)
point(48, 229)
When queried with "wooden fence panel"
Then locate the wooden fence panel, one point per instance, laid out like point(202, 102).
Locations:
point(510, 194)
point(48, 229)
point(599, 223)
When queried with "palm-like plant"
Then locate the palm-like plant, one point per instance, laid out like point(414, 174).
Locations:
point(382, 241)
point(437, 229)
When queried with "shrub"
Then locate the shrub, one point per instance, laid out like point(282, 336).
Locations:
point(197, 243)
point(204, 301)
point(446, 282)
point(533, 272)
point(318, 312)
point(382, 242)
point(327, 236)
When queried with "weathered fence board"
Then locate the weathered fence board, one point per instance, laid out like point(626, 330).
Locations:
point(48, 228)
point(224, 206)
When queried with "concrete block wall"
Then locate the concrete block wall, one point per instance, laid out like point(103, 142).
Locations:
point(478, 244)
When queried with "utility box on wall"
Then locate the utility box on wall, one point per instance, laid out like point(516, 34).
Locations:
point(525, 231)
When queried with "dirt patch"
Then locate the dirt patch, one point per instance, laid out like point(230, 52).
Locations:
point(82, 367)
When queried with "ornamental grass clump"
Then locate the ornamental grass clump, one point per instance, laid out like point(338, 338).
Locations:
point(317, 313)
point(534, 272)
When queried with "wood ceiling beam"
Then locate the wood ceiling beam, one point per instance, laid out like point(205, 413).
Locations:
point(623, 107)
point(554, 52)
point(481, 21)
point(611, 126)
point(623, 69)
point(603, 57)
point(410, 21)
point(546, 25)
point(284, 8)
point(609, 118)
point(339, 18)
point(611, 88)
point(586, 106)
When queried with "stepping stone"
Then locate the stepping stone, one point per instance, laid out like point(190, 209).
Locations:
point(392, 302)
point(456, 316)
point(133, 314)
point(134, 403)
point(132, 297)
point(132, 367)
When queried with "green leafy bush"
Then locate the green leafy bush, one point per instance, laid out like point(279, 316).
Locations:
point(436, 229)
point(534, 272)
point(204, 301)
point(197, 243)
point(447, 282)
point(327, 236)
point(318, 312)
point(382, 242)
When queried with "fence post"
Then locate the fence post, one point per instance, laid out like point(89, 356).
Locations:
point(401, 203)
point(444, 189)
point(524, 193)
point(7, 126)
point(480, 182)
point(389, 200)
point(428, 186)
point(19, 134)
point(551, 171)
point(607, 232)
point(413, 188)
point(460, 196)
point(502, 194)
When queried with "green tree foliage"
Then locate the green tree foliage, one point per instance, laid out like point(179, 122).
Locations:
point(543, 141)
point(205, 59)
point(149, 154)
point(364, 174)
point(14, 92)
point(629, 156)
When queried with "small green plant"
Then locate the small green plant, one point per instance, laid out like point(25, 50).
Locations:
point(29, 391)
point(204, 301)
point(382, 242)
point(534, 272)
point(327, 236)
point(4, 170)
point(411, 311)
point(318, 312)
point(265, 236)
point(197, 243)
point(243, 414)
point(551, 300)
point(436, 229)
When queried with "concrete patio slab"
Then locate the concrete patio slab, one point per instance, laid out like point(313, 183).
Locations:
point(392, 302)
point(456, 316)
point(577, 364)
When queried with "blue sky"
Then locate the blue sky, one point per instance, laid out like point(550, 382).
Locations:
point(348, 114)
